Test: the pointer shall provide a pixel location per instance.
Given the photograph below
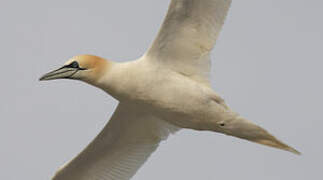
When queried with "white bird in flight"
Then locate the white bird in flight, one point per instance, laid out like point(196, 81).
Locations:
point(167, 89)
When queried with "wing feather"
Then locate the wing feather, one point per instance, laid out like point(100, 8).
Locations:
point(188, 34)
point(120, 149)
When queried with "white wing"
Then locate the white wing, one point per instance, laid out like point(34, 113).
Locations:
point(187, 36)
point(120, 149)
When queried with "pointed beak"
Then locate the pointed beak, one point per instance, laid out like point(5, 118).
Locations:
point(61, 73)
point(247, 130)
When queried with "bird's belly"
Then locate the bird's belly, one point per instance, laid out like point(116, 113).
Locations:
point(172, 97)
point(183, 103)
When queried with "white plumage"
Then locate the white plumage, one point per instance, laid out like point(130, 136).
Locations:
point(168, 88)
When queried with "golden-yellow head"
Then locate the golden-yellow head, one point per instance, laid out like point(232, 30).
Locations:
point(87, 68)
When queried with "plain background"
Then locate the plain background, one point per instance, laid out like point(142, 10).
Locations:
point(267, 64)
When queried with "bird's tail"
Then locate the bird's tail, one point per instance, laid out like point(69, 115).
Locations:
point(244, 129)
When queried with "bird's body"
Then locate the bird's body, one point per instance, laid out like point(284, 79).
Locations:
point(167, 89)
point(177, 98)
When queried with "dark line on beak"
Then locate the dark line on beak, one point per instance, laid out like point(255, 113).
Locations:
point(72, 74)
point(62, 72)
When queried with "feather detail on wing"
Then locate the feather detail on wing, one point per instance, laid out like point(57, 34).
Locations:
point(187, 36)
point(120, 149)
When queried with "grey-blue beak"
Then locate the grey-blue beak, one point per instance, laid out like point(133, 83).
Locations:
point(61, 73)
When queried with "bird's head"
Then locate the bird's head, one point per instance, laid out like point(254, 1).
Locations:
point(86, 68)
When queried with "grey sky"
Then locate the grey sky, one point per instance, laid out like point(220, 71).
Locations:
point(267, 64)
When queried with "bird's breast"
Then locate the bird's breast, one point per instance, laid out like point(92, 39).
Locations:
point(170, 96)
point(164, 93)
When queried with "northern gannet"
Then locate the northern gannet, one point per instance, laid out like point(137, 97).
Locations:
point(166, 89)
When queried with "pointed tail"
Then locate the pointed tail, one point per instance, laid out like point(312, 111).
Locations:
point(245, 129)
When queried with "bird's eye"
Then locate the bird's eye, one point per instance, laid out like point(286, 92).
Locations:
point(74, 64)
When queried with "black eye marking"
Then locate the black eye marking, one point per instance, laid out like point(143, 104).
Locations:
point(74, 65)
point(222, 124)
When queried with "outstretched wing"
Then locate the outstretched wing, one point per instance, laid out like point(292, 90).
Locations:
point(187, 36)
point(120, 149)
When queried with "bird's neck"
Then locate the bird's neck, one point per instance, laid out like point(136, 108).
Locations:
point(112, 79)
